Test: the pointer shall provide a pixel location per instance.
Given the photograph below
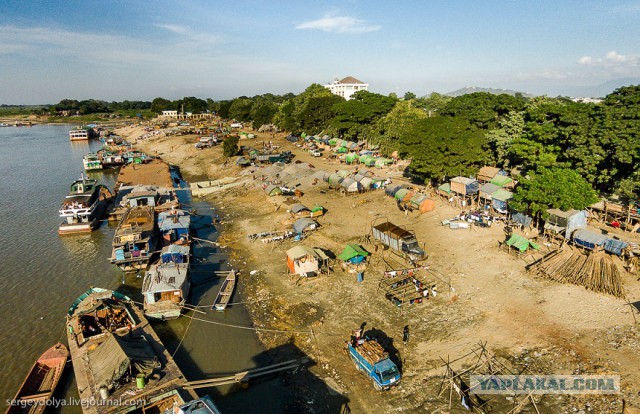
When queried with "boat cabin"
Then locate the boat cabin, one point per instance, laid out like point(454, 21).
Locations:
point(134, 240)
point(166, 284)
point(99, 315)
point(174, 226)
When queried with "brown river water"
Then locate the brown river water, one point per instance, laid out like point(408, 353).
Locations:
point(42, 273)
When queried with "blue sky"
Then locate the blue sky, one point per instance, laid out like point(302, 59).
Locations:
point(139, 50)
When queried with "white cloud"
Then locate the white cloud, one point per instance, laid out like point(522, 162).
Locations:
point(612, 59)
point(543, 74)
point(202, 37)
point(339, 24)
point(173, 28)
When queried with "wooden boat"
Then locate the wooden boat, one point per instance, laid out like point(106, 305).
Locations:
point(118, 359)
point(226, 290)
point(166, 284)
point(41, 381)
point(83, 207)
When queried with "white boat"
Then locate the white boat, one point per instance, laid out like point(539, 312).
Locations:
point(91, 162)
point(225, 292)
point(166, 284)
point(83, 207)
point(81, 134)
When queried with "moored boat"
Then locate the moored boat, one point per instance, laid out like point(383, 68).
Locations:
point(174, 227)
point(83, 207)
point(161, 198)
point(41, 382)
point(166, 284)
point(91, 161)
point(81, 134)
point(118, 360)
point(226, 291)
point(135, 239)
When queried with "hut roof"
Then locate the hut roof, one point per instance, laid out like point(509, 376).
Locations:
point(488, 189)
point(502, 195)
point(501, 180)
point(296, 208)
point(301, 224)
point(487, 173)
point(297, 252)
point(401, 194)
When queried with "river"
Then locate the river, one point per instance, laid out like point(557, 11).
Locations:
point(42, 273)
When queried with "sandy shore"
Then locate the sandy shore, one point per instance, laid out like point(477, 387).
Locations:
point(550, 328)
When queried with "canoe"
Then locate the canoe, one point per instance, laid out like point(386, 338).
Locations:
point(41, 381)
point(226, 290)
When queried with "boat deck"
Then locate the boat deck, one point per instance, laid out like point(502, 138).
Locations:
point(171, 378)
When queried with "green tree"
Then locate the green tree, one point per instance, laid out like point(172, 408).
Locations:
point(555, 187)
point(230, 146)
point(160, 104)
point(262, 112)
point(500, 139)
point(353, 117)
point(409, 96)
point(398, 123)
point(240, 109)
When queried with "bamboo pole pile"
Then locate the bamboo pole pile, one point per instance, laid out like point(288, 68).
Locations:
point(594, 271)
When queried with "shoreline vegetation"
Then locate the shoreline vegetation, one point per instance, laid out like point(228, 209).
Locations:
point(485, 295)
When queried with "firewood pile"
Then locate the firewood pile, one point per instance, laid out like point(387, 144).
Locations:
point(595, 271)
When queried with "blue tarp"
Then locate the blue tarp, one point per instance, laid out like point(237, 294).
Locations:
point(588, 239)
point(615, 246)
point(522, 219)
point(175, 253)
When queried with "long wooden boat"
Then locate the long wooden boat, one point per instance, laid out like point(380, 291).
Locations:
point(226, 290)
point(118, 359)
point(41, 381)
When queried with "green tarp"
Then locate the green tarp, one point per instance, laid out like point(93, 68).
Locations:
point(446, 187)
point(502, 195)
point(351, 251)
point(401, 193)
point(501, 180)
point(521, 243)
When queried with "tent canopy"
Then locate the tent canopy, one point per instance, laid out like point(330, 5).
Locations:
point(445, 188)
point(296, 208)
point(297, 252)
point(521, 243)
point(401, 194)
point(303, 223)
point(502, 195)
point(352, 250)
point(501, 180)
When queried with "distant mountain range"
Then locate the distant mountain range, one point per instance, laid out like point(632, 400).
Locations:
point(472, 89)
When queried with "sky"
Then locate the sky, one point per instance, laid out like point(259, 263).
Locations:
point(139, 50)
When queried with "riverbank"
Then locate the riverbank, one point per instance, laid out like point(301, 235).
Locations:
point(548, 327)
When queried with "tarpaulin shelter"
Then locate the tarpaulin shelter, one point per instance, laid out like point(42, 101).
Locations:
point(353, 253)
point(299, 208)
point(381, 162)
point(351, 158)
point(321, 175)
point(503, 181)
point(113, 358)
point(522, 219)
point(445, 189)
point(486, 174)
point(350, 185)
point(427, 205)
point(342, 150)
point(565, 222)
point(343, 173)
point(500, 198)
point(417, 199)
point(391, 191)
point(332, 141)
point(175, 253)
point(366, 182)
point(521, 243)
point(487, 189)
point(589, 239)
point(292, 138)
point(400, 194)
point(464, 186)
point(614, 246)
point(273, 190)
point(334, 179)
point(304, 224)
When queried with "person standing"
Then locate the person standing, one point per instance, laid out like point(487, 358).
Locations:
point(405, 334)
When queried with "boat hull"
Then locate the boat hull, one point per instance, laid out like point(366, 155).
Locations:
point(41, 382)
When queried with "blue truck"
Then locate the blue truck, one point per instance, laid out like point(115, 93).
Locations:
point(371, 359)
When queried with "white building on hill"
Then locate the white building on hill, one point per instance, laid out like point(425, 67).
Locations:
point(347, 87)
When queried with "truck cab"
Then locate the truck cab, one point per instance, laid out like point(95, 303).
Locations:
point(412, 249)
point(370, 358)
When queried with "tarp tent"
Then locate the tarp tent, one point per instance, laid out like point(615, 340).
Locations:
point(302, 259)
point(445, 189)
point(391, 191)
point(500, 199)
point(381, 162)
point(298, 208)
point(321, 175)
point(317, 211)
point(273, 190)
point(343, 173)
point(589, 239)
point(567, 221)
point(175, 253)
point(427, 205)
point(303, 224)
point(351, 185)
point(521, 243)
point(615, 246)
point(113, 357)
point(502, 181)
point(487, 189)
point(522, 219)
point(292, 138)
point(400, 194)
point(351, 158)
point(366, 182)
point(334, 179)
point(353, 253)
point(417, 199)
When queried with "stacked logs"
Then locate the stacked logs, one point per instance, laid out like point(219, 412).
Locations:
point(595, 271)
